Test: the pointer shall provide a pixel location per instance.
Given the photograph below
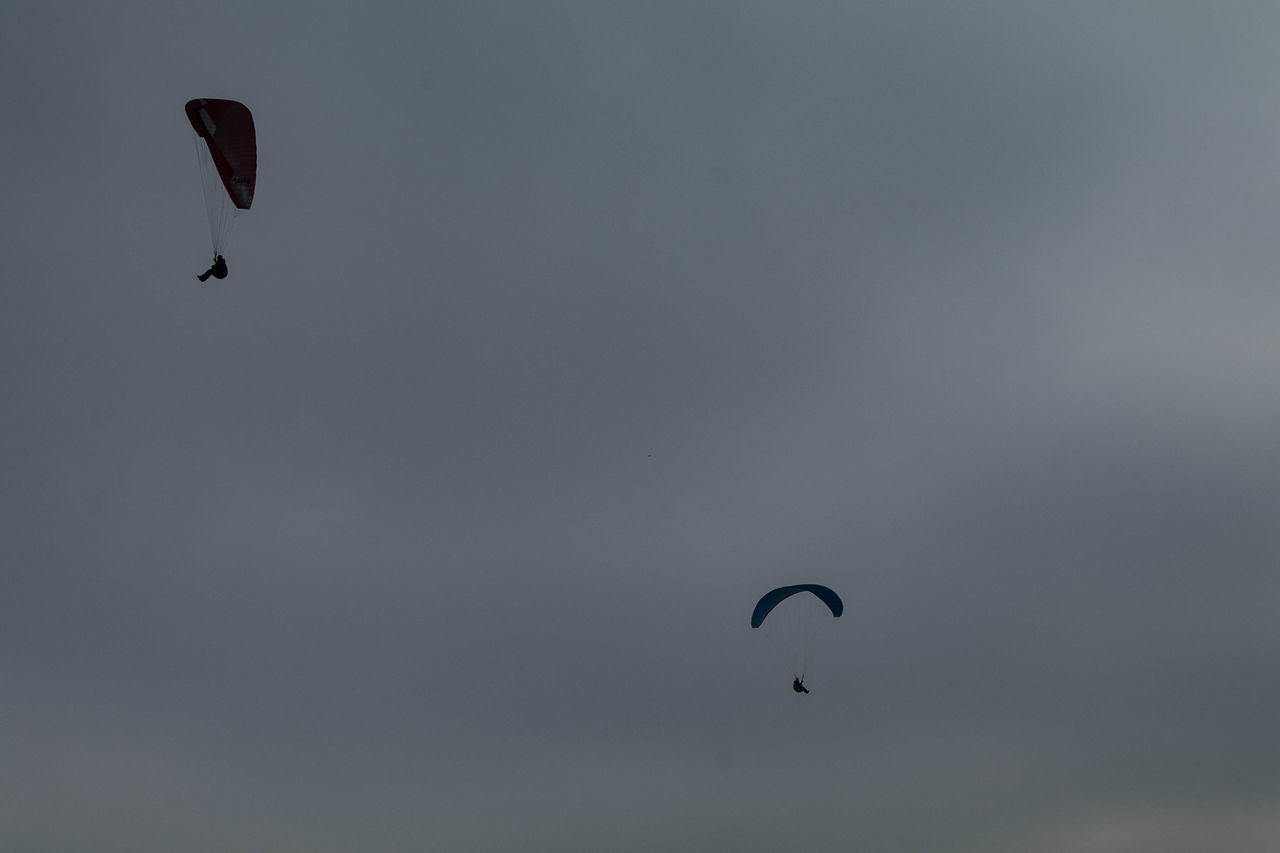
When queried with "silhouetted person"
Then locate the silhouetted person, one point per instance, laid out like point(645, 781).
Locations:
point(218, 270)
point(798, 686)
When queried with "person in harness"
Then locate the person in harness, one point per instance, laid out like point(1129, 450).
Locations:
point(798, 686)
point(218, 270)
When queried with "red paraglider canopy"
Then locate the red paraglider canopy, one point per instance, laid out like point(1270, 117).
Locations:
point(227, 128)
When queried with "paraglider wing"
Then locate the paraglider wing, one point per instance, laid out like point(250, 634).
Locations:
point(771, 600)
point(227, 128)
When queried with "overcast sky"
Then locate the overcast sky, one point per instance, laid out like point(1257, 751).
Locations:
point(560, 332)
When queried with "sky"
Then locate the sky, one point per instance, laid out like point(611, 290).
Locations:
point(560, 332)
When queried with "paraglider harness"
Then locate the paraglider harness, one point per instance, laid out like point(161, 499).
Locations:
point(798, 686)
point(218, 270)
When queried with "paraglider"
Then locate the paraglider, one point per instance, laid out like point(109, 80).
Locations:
point(796, 614)
point(227, 150)
point(218, 270)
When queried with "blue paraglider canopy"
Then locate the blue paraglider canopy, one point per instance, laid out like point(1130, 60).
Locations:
point(771, 600)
